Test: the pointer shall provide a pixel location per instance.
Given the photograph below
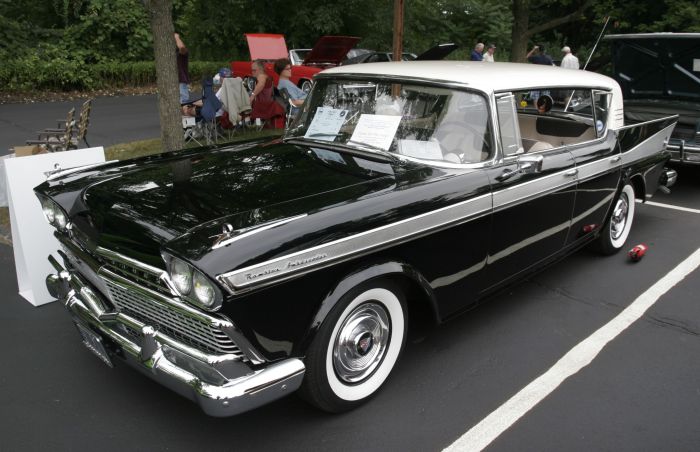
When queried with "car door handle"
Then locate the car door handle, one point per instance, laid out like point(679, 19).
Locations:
point(616, 159)
point(506, 174)
point(571, 173)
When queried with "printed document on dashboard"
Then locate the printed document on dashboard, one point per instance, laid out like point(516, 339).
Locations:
point(326, 124)
point(376, 130)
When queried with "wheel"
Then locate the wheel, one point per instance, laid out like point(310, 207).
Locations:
point(306, 86)
point(617, 229)
point(356, 348)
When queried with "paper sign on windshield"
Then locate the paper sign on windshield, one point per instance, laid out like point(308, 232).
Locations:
point(376, 130)
point(326, 124)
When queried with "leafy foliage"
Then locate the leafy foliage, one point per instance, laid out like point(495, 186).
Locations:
point(89, 43)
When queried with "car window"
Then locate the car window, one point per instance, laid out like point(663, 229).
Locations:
point(550, 118)
point(601, 102)
point(408, 119)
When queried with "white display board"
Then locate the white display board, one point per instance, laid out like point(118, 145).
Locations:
point(32, 235)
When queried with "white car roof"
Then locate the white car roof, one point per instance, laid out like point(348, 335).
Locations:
point(488, 77)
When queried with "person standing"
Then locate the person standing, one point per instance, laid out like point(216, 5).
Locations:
point(538, 56)
point(569, 61)
point(488, 56)
point(183, 75)
point(477, 52)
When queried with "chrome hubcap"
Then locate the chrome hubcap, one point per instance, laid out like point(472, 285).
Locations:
point(619, 217)
point(361, 342)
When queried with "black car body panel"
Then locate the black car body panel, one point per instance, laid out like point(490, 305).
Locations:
point(283, 230)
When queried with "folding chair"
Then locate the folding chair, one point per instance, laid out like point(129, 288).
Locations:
point(210, 105)
point(289, 107)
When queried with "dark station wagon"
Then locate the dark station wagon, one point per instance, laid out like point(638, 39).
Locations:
point(403, 193)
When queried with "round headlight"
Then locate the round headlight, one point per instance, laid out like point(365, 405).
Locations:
point(181, 275)
point(203, 290)
point(47, 208)
point(59, 218)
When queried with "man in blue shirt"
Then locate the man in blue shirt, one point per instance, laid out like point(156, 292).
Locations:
point(477, 53)
point(540, 57)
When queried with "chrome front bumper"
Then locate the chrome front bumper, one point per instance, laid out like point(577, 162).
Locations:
point(684, 152)
point(171, 363)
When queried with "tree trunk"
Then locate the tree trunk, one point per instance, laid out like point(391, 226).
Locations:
point(519, 35)
point(160, 14)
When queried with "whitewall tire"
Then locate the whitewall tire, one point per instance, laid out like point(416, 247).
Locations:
point(356, 347)
point(617, 229)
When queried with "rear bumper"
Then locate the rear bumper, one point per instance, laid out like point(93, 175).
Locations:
point(684, 152)
point(168, 362)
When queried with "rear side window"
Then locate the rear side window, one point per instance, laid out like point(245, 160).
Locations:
point(508, 125)
point(601, 101)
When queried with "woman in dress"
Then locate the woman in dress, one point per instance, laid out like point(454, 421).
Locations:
point(262, 98)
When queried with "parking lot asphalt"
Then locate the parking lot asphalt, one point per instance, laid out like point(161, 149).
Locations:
point(113, 120)
point(642, 392)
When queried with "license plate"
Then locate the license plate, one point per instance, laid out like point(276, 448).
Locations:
point(93, 343)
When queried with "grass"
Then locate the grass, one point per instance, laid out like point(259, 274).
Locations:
point(5, 226)
point(134, 149)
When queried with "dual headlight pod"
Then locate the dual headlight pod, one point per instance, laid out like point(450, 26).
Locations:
point(192, 284)
point(54, 214)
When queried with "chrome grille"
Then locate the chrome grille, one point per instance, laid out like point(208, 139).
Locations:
point(191, 331)
point(147, 278)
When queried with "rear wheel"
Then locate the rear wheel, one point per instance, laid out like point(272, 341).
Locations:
point(616, 230)
point(356, 348)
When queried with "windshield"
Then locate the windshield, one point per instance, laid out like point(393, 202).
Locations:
point(423, 122)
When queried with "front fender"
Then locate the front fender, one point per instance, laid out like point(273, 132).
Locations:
point(393, 269)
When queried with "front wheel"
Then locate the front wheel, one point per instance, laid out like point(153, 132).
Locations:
point(356, 348)
point(617, 229)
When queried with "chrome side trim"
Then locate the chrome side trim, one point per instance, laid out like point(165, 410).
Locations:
point(51, 175)
point(651, 121)
point(598, 167)
point(228, 238)
point(648, 147)
point(517, 194)
point(346, 248)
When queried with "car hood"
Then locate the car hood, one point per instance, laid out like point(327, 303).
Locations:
point(137, 208)
point(657, 65)
point(439, 52)
point(331, 50)
point(266, 46)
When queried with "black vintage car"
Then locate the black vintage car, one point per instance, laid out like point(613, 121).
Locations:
point(660, 74)
point(402, 194)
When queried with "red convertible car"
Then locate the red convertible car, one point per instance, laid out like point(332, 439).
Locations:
point(329, 51)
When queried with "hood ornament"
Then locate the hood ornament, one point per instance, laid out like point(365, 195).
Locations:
point(230, 235)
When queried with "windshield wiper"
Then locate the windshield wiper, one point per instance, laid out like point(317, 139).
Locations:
point(366, 150)
point(320, 134)
point(370, 147)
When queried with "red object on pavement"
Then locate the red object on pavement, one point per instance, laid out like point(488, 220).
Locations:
point(589, 228)
point(638, 252)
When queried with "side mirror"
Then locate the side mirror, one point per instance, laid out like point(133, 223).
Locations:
point(530, 164)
